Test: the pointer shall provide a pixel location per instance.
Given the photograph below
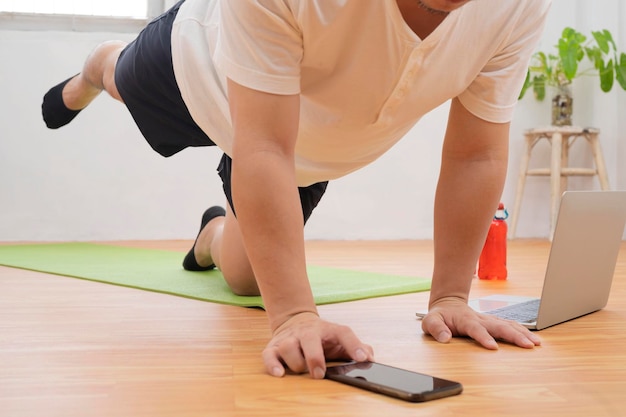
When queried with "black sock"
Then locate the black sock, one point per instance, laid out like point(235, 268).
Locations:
point(54, 112)
point(190, 263)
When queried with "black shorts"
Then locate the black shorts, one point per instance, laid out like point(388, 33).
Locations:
point(144, 76)
point(309, 196)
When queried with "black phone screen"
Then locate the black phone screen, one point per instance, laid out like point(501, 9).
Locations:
point(402, 383)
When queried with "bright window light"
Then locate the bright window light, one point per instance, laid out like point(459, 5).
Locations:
point(118, 8)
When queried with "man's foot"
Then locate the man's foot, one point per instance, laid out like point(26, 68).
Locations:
point(190, 263)
point(55, 112)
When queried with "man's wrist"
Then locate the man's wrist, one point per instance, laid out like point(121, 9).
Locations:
point(434, 301)
point(284, 320)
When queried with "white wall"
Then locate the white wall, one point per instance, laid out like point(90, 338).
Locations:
point(591, 108)
point(96, 179)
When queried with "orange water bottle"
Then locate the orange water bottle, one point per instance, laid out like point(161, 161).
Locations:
point(492, 261)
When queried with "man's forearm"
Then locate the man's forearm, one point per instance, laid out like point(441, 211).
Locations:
point(473, 170)
point(466, 199)
point(270, 216)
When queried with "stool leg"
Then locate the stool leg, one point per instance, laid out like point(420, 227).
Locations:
point(603, 177)
point(521, 182)
point(565, 145)
point(555, 179)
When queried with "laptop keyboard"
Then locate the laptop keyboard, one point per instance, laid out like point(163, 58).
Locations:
point(525, 312)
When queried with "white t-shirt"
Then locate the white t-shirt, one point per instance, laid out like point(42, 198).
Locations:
point(364, 77)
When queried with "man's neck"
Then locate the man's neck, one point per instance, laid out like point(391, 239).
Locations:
point(419, 18)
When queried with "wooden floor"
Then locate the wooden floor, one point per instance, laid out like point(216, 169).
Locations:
point(76, 348)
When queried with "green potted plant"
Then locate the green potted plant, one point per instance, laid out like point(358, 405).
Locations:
point(558, 70)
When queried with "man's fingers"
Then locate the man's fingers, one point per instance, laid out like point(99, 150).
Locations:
point(314, 356)
point(435, 326)
point(357, 350)
point(479, 333)
point(482, 328)
point(308, 347)
point(273, 365)
point(291, 352)
point(514, 333)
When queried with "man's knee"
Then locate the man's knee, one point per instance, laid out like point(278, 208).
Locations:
point(100, 66)
point(243, 284)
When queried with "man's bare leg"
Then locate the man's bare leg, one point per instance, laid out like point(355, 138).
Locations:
point(64, 101)
point(220, 243)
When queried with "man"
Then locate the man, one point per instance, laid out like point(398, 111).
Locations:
point(299, 92)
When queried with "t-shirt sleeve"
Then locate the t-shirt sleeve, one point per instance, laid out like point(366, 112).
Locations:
point(493, 94)
point(260, 45)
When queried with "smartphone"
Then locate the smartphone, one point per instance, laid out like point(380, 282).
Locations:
point(395, 382)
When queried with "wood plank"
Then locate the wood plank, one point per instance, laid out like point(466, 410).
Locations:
point(70, 348)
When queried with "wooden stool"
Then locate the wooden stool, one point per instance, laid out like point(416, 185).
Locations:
point(560, 138)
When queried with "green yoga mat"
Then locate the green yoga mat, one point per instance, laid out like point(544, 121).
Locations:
point(161, 271)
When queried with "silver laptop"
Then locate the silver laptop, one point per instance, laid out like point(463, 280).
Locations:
point(580, 268)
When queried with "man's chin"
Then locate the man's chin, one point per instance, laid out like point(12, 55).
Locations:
point(442, 6)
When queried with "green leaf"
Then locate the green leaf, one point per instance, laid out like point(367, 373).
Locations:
point(567, 33)
point(542, 62)
point(620, 71)
point(542, 58)
point(539, 87)
point(609, 38)
point(527, 84)
point(595, 56)
point(569, 51)
point(571, 34)
point(602, 41)
point(562, 65)
point(606, 76)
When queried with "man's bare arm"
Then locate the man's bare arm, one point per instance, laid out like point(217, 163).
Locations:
point(473, 171)
point(270, 217)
